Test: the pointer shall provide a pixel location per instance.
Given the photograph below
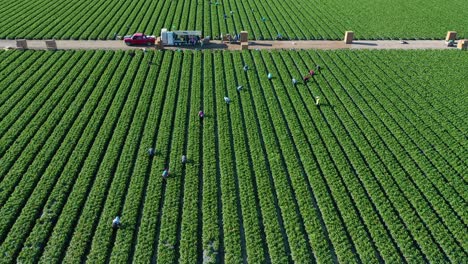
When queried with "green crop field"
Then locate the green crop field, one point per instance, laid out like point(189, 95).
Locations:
point(375, 173)
point(294, 19)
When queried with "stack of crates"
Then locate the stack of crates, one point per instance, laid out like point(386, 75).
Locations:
point(349, 35)
point(21, 44)
point(244, 39)
point(463, 44)
point(451, 35)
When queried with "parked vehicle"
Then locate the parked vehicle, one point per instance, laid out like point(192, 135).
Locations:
point(139, 39)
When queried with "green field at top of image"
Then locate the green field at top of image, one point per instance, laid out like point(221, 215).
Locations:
point(293, 19)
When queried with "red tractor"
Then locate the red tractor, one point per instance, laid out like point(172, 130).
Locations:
point(139, 39)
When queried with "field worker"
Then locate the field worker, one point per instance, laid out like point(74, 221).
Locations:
point(318, 68)
point(184, 159)
point(239, 88)
point(151, 152)
point(311, 72)
point(269, 76)
point(225, 16)
point(227, 100)
point(232, 12)
point(306, 78)
point(317, 100)
point(165, 174)
point(246, 68)
point(201, 115)
point(294, 81)
point(116, 222)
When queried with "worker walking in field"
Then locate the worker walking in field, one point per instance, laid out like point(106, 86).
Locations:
point(151, 152)
point(116, 222)
point(165, 174)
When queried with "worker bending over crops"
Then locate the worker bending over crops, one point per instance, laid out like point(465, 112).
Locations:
point(184, 159)
point(151, 152)
point(294, 81)
point(227, 100)
point(246, 68)
point(165, 174)
point(116, 222)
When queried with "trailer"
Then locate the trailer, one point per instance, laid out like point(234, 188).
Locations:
point(180, 37)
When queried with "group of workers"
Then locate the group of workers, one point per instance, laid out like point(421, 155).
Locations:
point(116, 223)
point(152, 152)
point(306, 78)
point(311, 74)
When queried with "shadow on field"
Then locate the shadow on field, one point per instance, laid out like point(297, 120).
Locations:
point(327, 105)
point(364, 43)
point(198, 47)
point(253, 43)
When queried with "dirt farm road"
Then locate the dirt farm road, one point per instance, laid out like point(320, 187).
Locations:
point(264, 44)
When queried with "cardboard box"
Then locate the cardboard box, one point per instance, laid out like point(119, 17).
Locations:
point(51, 44)
point(244, 36)
point(463, 44)
point(21, 44)
point(451, 35)
point(158, 43)
point(244, 45)
point(349, 35)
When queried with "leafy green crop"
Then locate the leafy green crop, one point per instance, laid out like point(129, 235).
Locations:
point(293, 19)
point(375, 173)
